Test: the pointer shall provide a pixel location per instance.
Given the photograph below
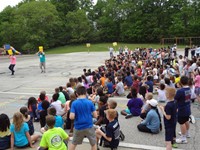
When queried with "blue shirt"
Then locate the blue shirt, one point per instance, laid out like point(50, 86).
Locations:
point(40, 106)
point(83, 109)
point(170, 109)
point(128, 80)
point(150, 84)
point(182, 97)
point(20, 138)
point(152, 121)
point(135, 106)
point(58, 121)
point(113, 131)
point(42, 57)
point(110, 87)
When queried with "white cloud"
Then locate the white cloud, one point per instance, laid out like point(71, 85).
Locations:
point(5, 3)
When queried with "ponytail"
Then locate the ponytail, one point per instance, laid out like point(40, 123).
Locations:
point(24, 111)
point(159, 119)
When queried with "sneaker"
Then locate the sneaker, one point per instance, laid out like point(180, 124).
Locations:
point(128, 116)
point(180, 140)
point(174, 145)
point(187, 136)
point(192, 119)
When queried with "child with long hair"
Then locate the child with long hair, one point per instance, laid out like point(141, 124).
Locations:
point(32, 107)
point(27, 119)
point(20, 136)
point(4, 132)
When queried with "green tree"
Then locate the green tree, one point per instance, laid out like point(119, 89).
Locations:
point(78, 26)
point(35, 23)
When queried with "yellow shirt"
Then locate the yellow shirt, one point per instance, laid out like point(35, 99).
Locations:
point(53, 139)
point(6, 133)
point(177, 80)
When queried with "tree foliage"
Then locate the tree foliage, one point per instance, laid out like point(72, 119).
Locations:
point(52, 23)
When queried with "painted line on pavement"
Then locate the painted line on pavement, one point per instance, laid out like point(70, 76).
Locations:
point(135, 146)
point(21, 93)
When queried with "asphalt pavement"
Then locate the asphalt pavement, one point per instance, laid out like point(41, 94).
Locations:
point(29, 81)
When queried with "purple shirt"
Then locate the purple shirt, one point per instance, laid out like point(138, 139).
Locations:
point(135, 105)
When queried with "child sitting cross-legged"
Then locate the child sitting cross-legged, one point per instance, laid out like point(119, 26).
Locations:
point(134, 105)
point(54, 138)
point(58, 120)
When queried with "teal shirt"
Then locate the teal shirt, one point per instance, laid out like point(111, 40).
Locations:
point(42, 57)
point(20, 138)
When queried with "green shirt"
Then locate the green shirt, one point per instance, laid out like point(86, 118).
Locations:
point(62, 98)
point(53, 139)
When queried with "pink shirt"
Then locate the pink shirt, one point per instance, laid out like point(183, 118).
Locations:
point(197, 81)
point(12, 60)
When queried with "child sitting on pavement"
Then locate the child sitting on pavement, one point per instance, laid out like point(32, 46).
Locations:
point(134, 105)
point(146, 108)
point(102, 105)
point(58, 120)
point(161, 94)
point(27, 118)
point(152, 122)
point(43, 113)
point(54, 138)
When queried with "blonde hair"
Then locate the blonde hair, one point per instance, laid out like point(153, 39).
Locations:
point(111, 113)
point(112, 104)
point(18, 120)
point(170, 92)
point(148, 95)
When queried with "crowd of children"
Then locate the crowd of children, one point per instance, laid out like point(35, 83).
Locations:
point(144, 72)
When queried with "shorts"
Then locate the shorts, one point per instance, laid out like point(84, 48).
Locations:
point(182, 120)
point(79, 135)
point(169, 134)
point(127, 111)
point(197, 91)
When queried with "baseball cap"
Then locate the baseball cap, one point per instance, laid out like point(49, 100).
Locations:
point(153, 102)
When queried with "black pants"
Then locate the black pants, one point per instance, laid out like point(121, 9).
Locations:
point(143, 128)
point(11, 67)
point(143, 115)
point(192, 54)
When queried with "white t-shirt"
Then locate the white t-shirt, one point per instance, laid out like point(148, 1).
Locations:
point(197, 50)
point(120, 88)
point(70, 90)
point(180, 62)
point(161, 95)
point(58, 107)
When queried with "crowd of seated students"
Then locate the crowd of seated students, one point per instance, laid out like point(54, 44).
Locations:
point(142, 73)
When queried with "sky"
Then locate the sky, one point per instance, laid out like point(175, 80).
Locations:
point(5, 3)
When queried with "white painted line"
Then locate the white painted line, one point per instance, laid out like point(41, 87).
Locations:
point(18, 93)
point(136, 146)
